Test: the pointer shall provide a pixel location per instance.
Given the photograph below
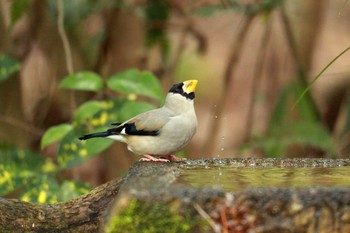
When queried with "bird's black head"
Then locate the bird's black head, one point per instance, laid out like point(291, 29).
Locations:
point(185, 88)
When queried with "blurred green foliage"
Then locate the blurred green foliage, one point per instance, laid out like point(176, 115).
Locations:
point(259, 7)
point(18, 8)
point(35, 177)
point(78, 10)
point(38, 178)
point(293, 127)
point(156, 15)
point(8, 66)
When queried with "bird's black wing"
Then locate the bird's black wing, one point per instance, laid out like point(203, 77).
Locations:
point(131, 129)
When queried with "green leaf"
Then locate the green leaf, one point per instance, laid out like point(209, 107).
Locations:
point(18, 8)
point(54, 134)
point(85, 81)
point(133, 108)
point(17, 166)
point(87, 110)
point(72, 152)
point(311, 134)
point(97, 145)
point(306, 108)
point(280, 112)
point(137, 82)
point(8, 66)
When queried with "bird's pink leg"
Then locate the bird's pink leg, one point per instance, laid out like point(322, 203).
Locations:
point(173, 158)
point(149, 158)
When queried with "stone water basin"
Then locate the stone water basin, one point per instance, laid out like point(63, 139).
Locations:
point(236, 179)
point(240, 195)
point(233, 178)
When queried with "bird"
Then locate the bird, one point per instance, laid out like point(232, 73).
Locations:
point(158, 134)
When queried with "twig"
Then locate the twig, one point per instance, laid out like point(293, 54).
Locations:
point(293, 45)
point(260, 61)
point(318, 76)
point(234, 55)
point(22, 125)
point(296, 56)
point(186, 29)
point(204, 215)
point(340, 13)
point(66, 47)
point(169, 71)
point(82, 214)
point(223, 221)
point(63, 35)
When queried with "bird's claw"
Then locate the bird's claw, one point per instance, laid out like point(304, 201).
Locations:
point(166, 158)
point(150, 158)
point(173, 158)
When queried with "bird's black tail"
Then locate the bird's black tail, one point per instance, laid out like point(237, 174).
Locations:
point(95, 135)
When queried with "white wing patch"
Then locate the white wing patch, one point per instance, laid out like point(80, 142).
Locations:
point(123, 131)
point(118, 138)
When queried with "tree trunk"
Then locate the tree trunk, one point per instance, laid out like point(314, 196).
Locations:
point(83, 214)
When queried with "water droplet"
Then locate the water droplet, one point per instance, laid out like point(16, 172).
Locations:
point(222, 149)
point(216, 117)
point(214, 105)
point(252, 164)
point(223, 137)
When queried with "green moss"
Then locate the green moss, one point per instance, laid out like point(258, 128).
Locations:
point(151, 218)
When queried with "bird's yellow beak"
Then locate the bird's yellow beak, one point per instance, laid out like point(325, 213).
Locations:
point(190, 86)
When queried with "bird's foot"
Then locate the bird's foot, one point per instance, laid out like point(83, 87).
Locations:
point(173, 158)
point(150, 158)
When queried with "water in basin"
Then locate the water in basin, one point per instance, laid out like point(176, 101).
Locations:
point(236, 179)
